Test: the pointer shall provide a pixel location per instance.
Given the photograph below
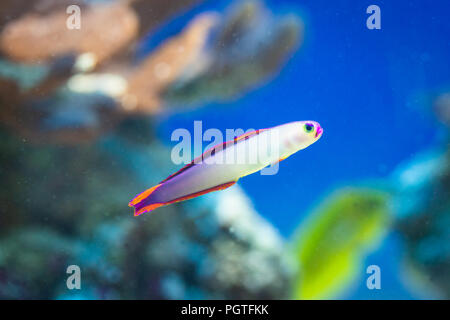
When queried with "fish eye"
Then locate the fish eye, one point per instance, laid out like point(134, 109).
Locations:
point(309, 127)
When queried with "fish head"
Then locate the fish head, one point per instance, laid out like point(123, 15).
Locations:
point(311, 131)
point(301, 134)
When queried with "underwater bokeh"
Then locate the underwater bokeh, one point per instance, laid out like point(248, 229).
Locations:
point(86, 118)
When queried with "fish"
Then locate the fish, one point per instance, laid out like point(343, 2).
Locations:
point(221, 166)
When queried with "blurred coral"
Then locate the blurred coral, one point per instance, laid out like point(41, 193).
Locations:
point(106, 29)
point(77, 111)
point(202, 63)
point(442, 107)
point(241, 54)
point(422, 206)
point(66, 205)
point(166, 65)
point(31, 261)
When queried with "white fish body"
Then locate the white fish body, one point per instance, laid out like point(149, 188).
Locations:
point(221, 166)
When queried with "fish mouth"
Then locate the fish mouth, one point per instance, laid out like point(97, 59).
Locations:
point(319, 132)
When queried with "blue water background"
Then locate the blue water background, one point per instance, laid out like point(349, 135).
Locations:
point(367, 88)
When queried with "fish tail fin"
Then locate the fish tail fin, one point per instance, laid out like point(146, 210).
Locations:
point(143, 202)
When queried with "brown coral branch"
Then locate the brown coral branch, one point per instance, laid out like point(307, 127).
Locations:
point(166, 64)
point(105, 30)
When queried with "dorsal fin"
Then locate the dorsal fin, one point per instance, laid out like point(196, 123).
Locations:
point(211, 151)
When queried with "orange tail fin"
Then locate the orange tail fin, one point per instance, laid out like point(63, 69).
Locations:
point(141, 201)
